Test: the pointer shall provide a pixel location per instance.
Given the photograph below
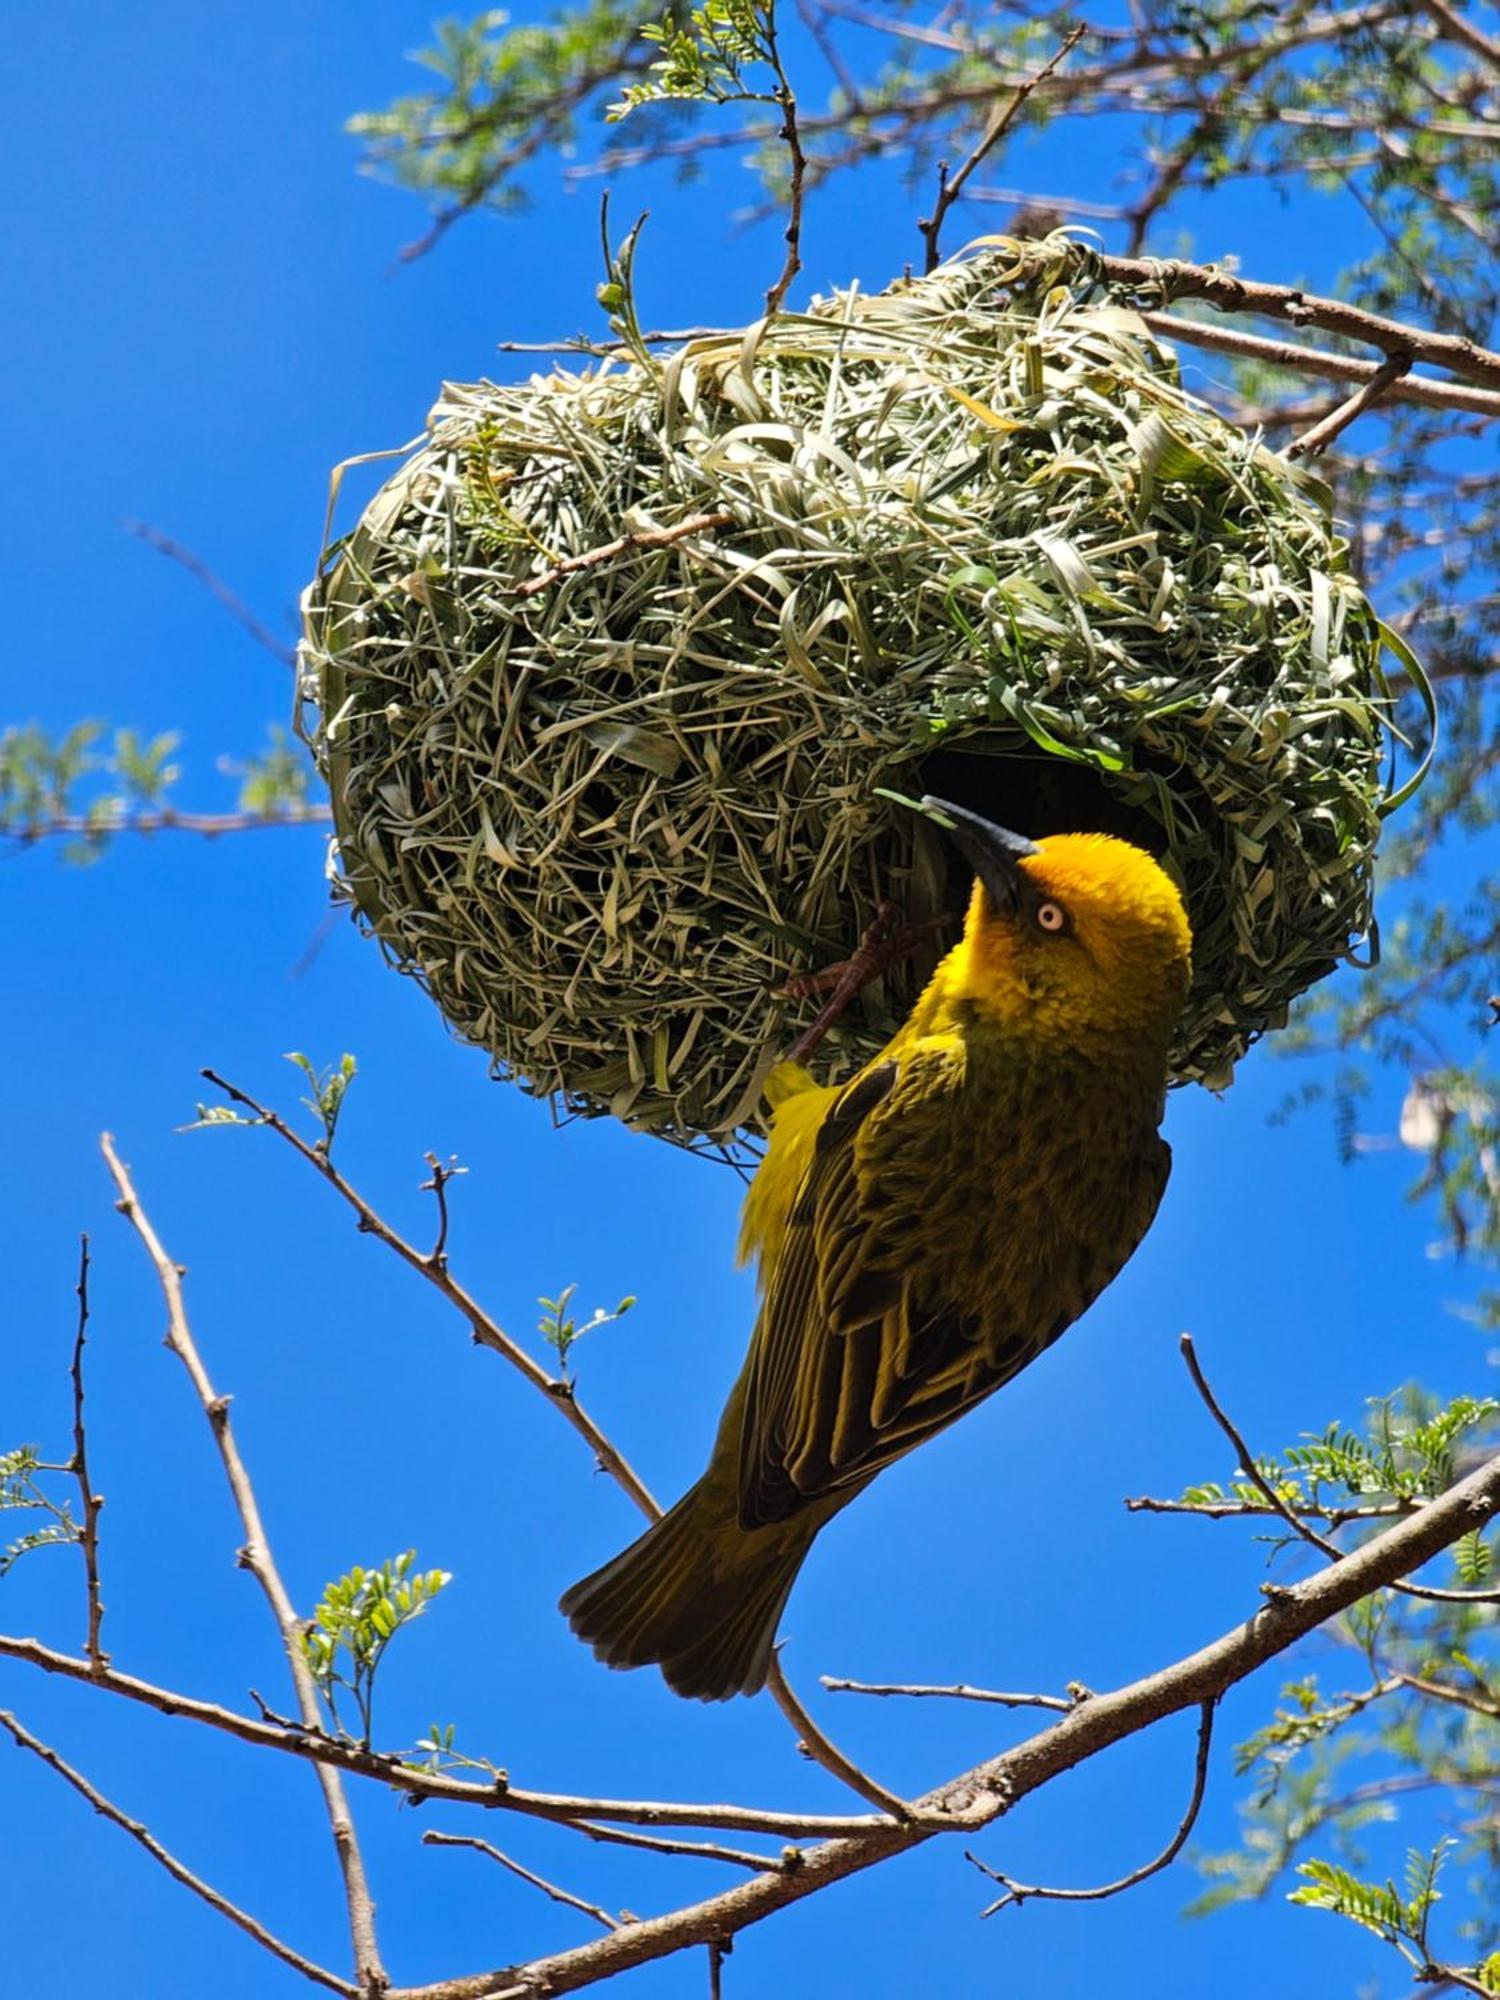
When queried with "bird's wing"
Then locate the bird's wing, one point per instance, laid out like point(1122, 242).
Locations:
point(848, 1370)
point(851, 1365)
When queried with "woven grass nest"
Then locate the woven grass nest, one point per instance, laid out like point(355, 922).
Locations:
point(611, 677)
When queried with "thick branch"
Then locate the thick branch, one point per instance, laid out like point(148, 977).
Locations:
point(981, 1794)
point(256, 1557)
point(1163, 279)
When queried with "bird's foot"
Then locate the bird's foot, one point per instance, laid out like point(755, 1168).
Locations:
point(887, 939)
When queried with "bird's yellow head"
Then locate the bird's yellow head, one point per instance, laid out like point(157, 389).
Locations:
point(1078, 939)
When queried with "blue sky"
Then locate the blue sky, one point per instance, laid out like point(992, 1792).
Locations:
point(200, 313)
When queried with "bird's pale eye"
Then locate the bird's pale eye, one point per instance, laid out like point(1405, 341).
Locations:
point(1052, 917)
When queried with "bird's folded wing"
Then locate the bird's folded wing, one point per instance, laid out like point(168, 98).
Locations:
point(851, 1365)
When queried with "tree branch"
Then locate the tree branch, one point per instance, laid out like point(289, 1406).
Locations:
point(486, 1331)
point(257, 1558)
point(434, 1839)
point(86, 826)
point(195, 566)
point(140, 1834)
point(981, 1794)
point(969, 1801)
point(960, 1691)
point(1163, 279)
point(931, 226)
point(1320, 435)
point(1279, 1506)
point(1019, 1892)
point(89, 1501)
point(315, 1746)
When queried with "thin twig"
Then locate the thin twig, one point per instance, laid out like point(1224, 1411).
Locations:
point(257, 1558)
point(437, 1187)
point(486, 1331)
point(1321, 434)
point(701, 1850)
point(1018, 1892)
point(418, 1782)
point(560, 1395)
point(718, 1950)
point(92, 826)
point(433, 1839)
point(1420, 389)
point(138, 1833)
point(790, 137)
point(818, 1747)
point(960, 1691)
point(1256, 1510)
point(640, 538)
point(89, 1501)
point(1279, 1506)
point(1477, 1704)
point(951, 187)
point(196, 567)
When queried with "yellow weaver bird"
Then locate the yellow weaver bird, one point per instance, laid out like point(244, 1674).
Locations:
point(923, 1232)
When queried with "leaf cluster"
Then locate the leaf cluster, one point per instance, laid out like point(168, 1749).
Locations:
point(356, 1619)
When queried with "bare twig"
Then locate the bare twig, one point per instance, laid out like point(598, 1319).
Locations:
point(340, 1753)
point(486, 1331)
point(640, 538)
point(1476, 1703)
point(257, 1558)
point(791, 137)
point(437, 1187)
point(89, 1501)
point(1301, 360)
point(560, 1395)
point(1255, 1510)
point(818, 1747)
point(1019, 1892)
point(1321, 434)
point(951, 187)
point(196, 567)
point(87, 826)
point(960, 1691)
point(701, 1850)
point(138, 1833)
point(433, 1839)
point(1279, 1506)
point(718, 1950)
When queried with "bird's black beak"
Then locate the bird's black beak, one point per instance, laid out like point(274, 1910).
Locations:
point(992, 852)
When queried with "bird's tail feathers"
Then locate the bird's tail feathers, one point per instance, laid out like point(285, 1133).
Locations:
point(701, 1607)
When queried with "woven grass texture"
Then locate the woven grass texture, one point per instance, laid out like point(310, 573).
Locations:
point(609, 679)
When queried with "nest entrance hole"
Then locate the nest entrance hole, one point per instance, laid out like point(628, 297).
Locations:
point(1031, 795)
